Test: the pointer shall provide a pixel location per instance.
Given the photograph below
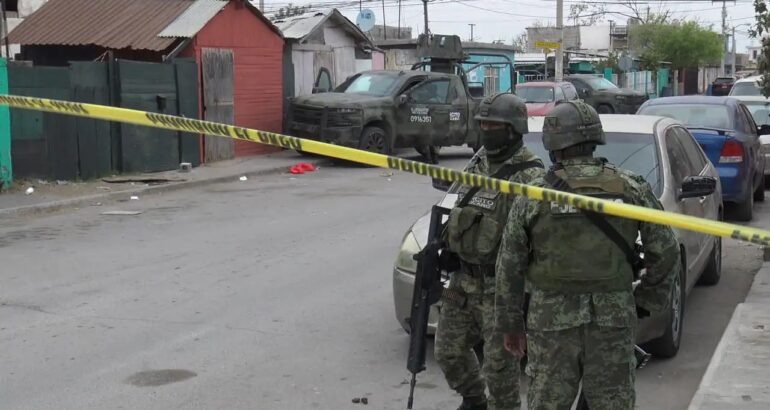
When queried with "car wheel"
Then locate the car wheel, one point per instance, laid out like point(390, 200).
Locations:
point(745, 211)
point(605, 109)
point(667, 345)
point(375, 139)
point(759, 194)
point(713, 271)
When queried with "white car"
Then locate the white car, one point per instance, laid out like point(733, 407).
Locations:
point(666, 154)
point(759, 107)
point(746, 86)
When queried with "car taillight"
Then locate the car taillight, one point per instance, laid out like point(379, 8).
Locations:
point(732, 152)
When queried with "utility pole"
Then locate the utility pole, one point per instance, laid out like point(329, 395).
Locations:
point(4, 32)
point(399, 19)
point(384, 25)
point(425, 13)
point(262, 6)
point(724, 37)
point(472, 25)
point(559, 70)
point(733, 56)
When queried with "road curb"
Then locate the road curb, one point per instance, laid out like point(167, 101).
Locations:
point(737, 374)
point(82, 201)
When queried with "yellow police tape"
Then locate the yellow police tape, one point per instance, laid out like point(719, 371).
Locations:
point(741, 233)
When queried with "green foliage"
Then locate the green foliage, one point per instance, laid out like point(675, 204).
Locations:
point(762, 29)
point(612, 61)
point(683, 45)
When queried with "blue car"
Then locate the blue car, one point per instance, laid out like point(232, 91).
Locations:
point(725, 129)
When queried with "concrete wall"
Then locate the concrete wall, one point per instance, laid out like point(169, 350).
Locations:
point(595, 37)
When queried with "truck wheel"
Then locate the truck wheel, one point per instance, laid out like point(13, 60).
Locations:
point(605, 109)
point(713, 271)
point(667, 346)
point(375, 139)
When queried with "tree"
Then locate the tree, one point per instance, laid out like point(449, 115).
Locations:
point(612, 61)
point(584, 14)
point(684, 44)
point(521, 42)
point(762, 29)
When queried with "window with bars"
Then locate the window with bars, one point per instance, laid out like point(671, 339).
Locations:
point(491, 81)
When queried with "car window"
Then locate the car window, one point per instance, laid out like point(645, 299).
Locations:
point(695, 115)
point(459, 89)
point(599, 83)
point(760, 111)
point(570, 92)
point(535, 94)
point(431, 92)
point(745, 88)
point(692, 149)
point(751, 126)
point(324, 79)
point(375, 84)
point(677, 158)
point(560, 94)
point(723, 80)
point(637, 153)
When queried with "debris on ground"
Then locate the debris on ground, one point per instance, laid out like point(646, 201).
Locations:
point(30, 191)
point(185, 167)
point(243, 178)
point(301, 168)
point(387, 174)
point(134, 198)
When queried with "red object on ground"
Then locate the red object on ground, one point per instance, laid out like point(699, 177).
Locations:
point(296, 170)
point(305, 166)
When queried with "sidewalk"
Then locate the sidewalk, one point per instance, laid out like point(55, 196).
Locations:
point(738, 376)
point(50, 196)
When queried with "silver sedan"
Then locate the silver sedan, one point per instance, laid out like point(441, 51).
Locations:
point(666, 154)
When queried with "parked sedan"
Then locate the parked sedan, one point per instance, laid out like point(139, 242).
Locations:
point(727, 132)
point(722, 85)
point(759, 107)
point(542, 96)
point(665, 153)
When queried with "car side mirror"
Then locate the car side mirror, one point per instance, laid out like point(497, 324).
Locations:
point(403, 99)
point(441, 185)
point(763, 129)
point(693, 187)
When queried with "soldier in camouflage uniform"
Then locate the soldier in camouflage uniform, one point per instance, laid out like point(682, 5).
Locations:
point(473, 233)
point(582, 314)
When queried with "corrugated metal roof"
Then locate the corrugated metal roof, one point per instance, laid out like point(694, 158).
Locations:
point(115, 24)
point(189, 23)
point(298, 27)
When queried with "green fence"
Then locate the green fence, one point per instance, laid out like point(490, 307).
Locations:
point(46, 145)
point(6, 168)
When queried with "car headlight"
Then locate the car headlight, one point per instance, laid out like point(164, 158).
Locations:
point(409, 247)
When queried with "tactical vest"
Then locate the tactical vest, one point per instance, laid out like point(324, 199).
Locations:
point(476, 223)
point(572, 255)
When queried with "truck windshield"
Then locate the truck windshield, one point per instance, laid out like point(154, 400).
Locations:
point(599, 83)
point(378, 85)
point(535, 94)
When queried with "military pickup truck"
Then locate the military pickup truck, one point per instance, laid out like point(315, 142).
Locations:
point(427, 107)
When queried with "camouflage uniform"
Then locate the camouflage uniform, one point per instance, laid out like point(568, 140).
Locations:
point(462, 328)
point(581, 319)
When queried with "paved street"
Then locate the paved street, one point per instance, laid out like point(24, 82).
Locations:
point(274, 293)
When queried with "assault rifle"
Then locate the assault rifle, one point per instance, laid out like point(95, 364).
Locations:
point(428, 289)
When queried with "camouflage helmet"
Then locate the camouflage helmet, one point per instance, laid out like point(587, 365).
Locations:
point(506, 108)
point(571, 123)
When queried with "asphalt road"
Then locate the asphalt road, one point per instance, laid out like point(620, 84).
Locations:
point(274, 293)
